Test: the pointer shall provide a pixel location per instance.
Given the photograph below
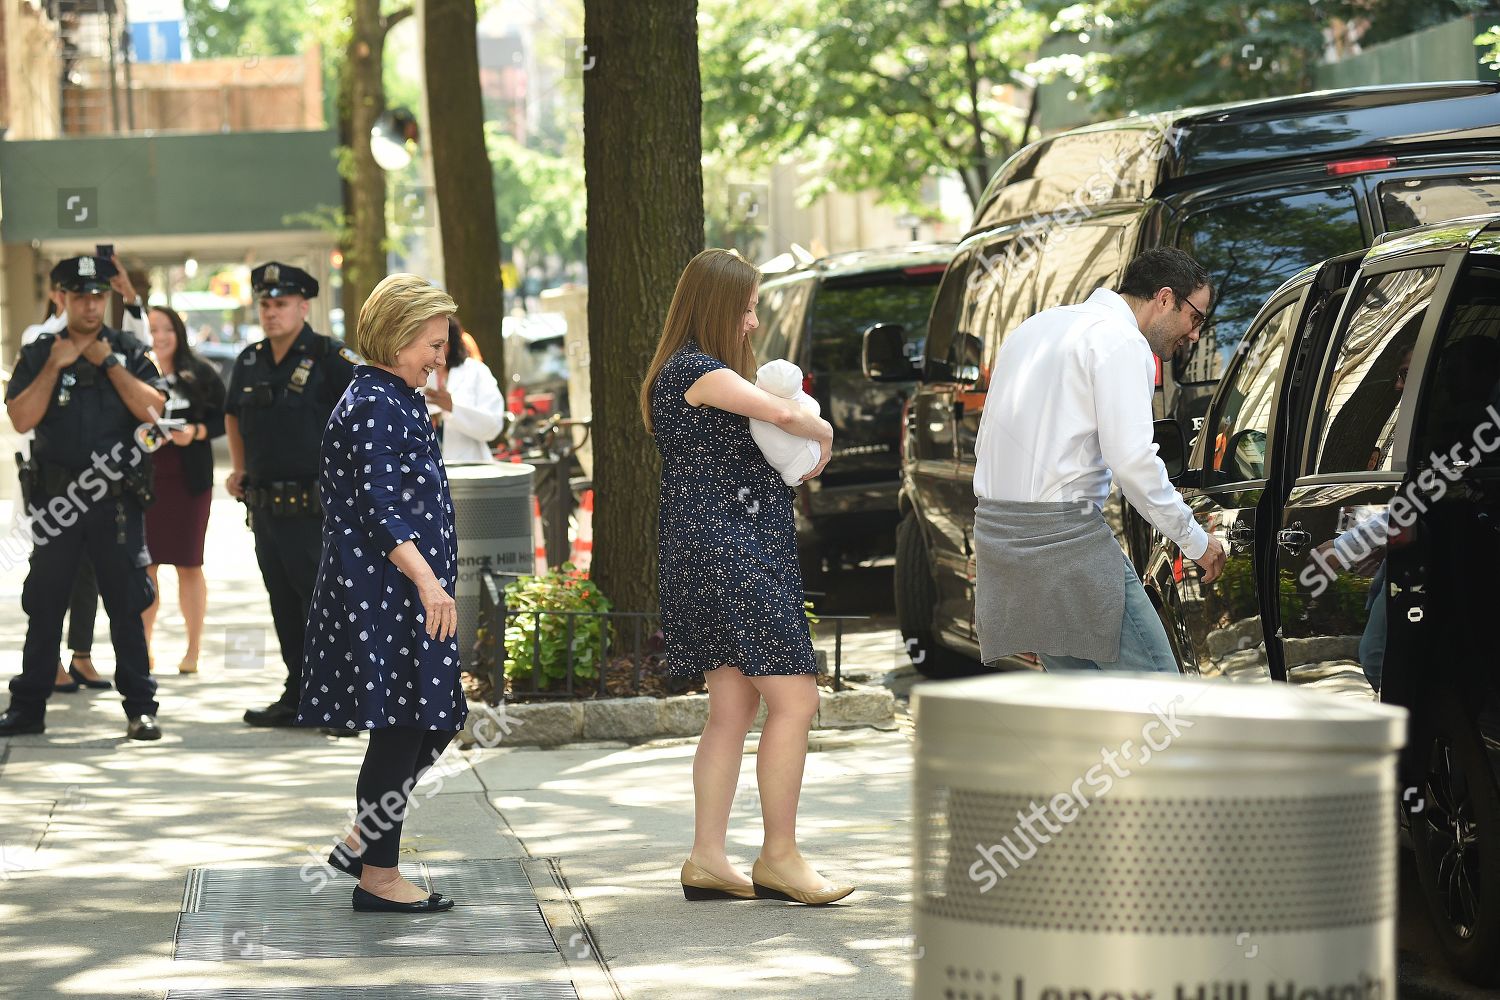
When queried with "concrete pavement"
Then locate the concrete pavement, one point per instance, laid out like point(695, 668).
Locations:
point(98, 836)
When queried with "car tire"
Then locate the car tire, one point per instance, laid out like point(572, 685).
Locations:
point(1456, 835)
point(916, 602)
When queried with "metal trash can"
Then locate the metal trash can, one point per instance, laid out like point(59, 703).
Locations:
point(492, 515)
point(1109, 837)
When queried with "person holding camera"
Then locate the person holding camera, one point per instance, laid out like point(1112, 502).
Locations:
point(178, 522)
point(86, 391)
point(280, 394)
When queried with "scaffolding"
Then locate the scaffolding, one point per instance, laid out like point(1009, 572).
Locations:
point(95, 85)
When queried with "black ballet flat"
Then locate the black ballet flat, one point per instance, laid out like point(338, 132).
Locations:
point(349, 864)
point(99, 685)
point(368, 902)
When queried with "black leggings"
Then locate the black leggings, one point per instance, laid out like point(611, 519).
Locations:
point(394, 761)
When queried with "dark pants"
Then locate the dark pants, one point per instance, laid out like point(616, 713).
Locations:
point(395, 760)
point(288, 549)
point(83, 608)
point(120, 568)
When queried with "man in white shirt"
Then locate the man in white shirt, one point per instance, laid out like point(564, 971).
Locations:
point(1068, 410)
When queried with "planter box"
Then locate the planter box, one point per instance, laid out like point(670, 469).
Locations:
point(637, 719)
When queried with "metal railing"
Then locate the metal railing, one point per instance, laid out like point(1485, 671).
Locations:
point(625, 634)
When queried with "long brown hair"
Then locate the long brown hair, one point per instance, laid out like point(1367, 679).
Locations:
point(708, 307)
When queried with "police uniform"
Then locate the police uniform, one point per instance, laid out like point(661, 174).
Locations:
point(281, 408)
point(85, 486)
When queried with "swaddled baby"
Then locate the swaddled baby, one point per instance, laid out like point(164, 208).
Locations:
point(790, 455)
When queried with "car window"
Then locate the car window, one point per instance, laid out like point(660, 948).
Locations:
point(945, 316)
point(1075, 261)
point(998, 301)
point(1419, 200)
point(844, 308)
point(1463, 379)
point(780, 310)
point(1362, 394)
point(1249, 248)
point(1242, 418)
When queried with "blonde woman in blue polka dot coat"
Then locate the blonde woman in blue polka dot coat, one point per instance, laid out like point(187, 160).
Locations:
point(380, 653)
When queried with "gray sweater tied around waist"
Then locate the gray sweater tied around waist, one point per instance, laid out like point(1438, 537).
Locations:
point(1049, 580)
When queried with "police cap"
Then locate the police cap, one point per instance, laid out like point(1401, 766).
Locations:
point(275, 279)
point(84, 274)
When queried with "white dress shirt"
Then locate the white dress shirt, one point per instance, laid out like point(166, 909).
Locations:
point(1069, 408)
point(478, 414)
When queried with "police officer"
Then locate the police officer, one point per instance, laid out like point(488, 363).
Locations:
point(281, 392)
point(88, 393)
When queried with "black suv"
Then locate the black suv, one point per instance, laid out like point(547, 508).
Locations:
point(815, 317)
point(1350, 470)
point(1255, 191)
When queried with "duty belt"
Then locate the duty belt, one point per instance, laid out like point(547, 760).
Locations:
point(285, 498)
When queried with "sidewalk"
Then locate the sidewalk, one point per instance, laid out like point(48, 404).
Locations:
point(99, 838)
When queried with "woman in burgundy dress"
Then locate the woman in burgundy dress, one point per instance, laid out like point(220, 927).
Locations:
point(184, 468)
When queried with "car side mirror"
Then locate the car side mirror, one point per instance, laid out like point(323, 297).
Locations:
point(883, 356)
point(1171, 448)
point(1247, 450)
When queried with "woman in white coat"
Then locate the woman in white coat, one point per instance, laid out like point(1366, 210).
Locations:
point(465, 403)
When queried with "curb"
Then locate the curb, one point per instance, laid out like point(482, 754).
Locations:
point(635, 720)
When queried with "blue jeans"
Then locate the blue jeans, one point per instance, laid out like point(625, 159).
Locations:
point(1143, 641)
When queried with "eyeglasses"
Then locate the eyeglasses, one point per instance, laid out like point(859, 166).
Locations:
point(1200, 318)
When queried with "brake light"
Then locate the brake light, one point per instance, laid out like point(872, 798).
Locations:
point(808, 382)
point(1158, 370)
point(925, 269)
point(1357, 166)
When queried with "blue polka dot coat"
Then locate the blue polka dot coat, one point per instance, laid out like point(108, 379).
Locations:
point(368, 662)
point(729, 586)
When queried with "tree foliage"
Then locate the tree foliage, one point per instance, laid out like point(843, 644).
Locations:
point(537, 199)
point(1159, 54)
point(880, 95)
point(218, 28)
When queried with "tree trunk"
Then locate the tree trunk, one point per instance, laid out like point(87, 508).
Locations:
point(364, 261)
point(462, 173)
point(642, 157)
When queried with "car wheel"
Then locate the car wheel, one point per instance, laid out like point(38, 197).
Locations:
point(916, 601)
point(1456, 835)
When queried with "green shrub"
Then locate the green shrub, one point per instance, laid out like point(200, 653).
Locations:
point(561, 589)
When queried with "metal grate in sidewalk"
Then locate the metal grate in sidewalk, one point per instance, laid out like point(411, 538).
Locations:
point(462, 991)
point(270, 914)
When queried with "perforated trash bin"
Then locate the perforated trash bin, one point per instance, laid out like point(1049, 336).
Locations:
point(1109, 837)
point(492, 514)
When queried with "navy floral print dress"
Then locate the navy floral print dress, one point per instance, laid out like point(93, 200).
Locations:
point(368, 662)
point(729, 585)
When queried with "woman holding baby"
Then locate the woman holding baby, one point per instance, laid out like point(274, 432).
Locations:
point(729, 587)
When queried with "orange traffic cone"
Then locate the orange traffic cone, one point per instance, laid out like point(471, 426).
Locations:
point(583, 540)
point(538, 536)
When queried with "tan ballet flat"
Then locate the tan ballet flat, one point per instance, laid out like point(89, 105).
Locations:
point(699, 884)
point(769, 885)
